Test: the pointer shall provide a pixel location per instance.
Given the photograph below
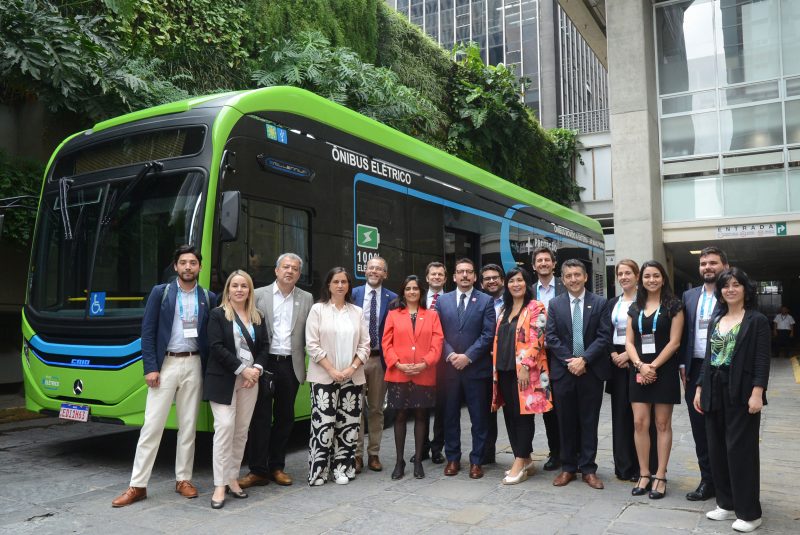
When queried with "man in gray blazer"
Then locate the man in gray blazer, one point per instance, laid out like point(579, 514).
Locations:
point(285, 307)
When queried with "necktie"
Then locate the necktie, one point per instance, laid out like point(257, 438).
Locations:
point(373, 320)
point(433, 301)
point(462, 306)
point(577, 328)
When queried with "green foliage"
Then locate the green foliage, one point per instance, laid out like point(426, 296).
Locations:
point(19, 177)
point(339, 74)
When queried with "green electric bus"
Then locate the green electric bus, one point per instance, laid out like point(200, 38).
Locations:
point(246, 176)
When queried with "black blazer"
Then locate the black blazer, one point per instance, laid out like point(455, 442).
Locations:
point(749, 362)
point(223, 361)
point(596, 335)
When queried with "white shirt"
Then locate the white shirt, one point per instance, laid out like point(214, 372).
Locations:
point(344, 339)
point(429, 298)
point(619, 317)
point(282, 309)
point(545, 293)
point(459, 293)
point(705, 307)
point(177, 343)
point(572, 303)
point(784, 322)
point(368, 303)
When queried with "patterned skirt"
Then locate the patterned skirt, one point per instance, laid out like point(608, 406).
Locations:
point(410, 396)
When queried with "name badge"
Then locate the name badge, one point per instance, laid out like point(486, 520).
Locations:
point(619, 335)
point(244, 355)
point(190, 328)
point(648, 344)
point(702, 328)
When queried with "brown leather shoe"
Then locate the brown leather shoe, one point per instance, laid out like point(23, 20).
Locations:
point(593, 481)
point(359, 465)
point(563, 479)
point(186, 489)
point(253, 480)
point(281, 478)
point(452, 468)
point(475, 471)
point(132, 495)
point(374, 463)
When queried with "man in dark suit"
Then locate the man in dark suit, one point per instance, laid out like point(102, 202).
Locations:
point(699, 305)
point(547, 287)
point(174, 355)
point(468, 323)
point(285, 308)
point(374, 299)
point(578, 340)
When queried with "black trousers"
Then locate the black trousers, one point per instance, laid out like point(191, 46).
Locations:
point(273, 419)
point(551, 426)
point(520, 427)
point(733, 451)
point(698, 424)
point(578, 400)
point(626, 462)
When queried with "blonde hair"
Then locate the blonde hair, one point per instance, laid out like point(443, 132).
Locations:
point(249, 304)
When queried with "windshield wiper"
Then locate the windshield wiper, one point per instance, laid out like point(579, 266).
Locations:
point(64, 184)
point(117, 200)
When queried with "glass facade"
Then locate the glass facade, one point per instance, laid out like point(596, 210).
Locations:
point(729, 107)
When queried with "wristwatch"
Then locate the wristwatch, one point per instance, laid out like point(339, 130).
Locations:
point(353, 365)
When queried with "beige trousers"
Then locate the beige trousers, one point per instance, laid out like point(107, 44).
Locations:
point(231, 423)
point(182, 381)
point(375, 394)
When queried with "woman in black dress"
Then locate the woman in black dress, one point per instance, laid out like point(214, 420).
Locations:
point(655, 324)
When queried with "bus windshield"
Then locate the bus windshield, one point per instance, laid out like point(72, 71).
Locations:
point(123, 234)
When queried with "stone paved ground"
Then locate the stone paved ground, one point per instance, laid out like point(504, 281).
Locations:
point(60, 477)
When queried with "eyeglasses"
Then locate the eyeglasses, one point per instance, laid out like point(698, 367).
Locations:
point(491, 278)
point(465, 271)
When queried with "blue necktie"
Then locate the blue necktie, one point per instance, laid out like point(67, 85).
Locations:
point(577, 328)
point(373, 320)
point(462, 306)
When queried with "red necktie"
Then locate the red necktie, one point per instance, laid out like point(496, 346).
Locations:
point(433, 302)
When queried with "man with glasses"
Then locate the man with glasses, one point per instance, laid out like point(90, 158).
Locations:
point(374, 299)
point(468, 322)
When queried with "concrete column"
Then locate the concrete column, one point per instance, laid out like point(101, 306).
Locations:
point(548, 64)
point(634, 131)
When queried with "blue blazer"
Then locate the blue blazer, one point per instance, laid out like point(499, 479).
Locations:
point(386, 297)
point(473, 335)
point(157, 325)
point(690, 299)
point(596, 335)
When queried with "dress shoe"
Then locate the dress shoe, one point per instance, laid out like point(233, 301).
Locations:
point(553, 463)
point(721, 514)
point(452, 468)
point(657, 494)
point(746, 526)
point(703, 492)
point(475, 471)
point(592, 480)
point(639, 490)
point(281, 478)
point(374, 463)
point(186, 489)
point(132, 495)
point(399, 470)
point(513, 480)
point(564, 478)
point(424, 457)
point(217, 505)
point(359, 465)
point(240, 494)
point(437, 457)
point(419, 473)
point(253, 480)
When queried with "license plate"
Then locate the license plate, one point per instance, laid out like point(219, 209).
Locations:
point(79, 413)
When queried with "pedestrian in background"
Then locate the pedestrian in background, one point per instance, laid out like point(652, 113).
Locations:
point(783, 332)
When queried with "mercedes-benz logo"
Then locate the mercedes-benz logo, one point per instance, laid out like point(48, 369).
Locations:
point(77, 387)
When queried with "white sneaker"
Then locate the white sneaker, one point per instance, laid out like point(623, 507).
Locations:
point(342, 479)
point(746, 526)
point(720, 514)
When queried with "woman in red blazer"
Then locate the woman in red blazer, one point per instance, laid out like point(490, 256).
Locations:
point(412, 344)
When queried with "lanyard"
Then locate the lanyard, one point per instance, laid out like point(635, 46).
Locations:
point(703, 306)
point(250, 329)
point(655, 320)
point(180, 302)
point(615, 316)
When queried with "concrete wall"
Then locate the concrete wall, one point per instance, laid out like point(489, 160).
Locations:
point(548, 65)
point(634, 131)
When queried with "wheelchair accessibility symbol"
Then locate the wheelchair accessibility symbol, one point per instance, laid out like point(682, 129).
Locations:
point(97, 304)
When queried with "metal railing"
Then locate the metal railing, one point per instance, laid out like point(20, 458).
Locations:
point(587, 122)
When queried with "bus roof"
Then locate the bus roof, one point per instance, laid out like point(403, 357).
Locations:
point(312, 106)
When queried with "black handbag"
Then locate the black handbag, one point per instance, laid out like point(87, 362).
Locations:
point(267, 378)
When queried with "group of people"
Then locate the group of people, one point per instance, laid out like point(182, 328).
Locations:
point(546, 346)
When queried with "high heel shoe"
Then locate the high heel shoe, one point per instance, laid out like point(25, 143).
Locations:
point(640, 491)
point(217, 505)
point(530, 468)
point(240, 494)
point(419, 473)
point(657, 495)
point(399, 470)
point(519, 478)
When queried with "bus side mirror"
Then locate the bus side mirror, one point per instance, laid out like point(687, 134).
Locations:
point(229, 215)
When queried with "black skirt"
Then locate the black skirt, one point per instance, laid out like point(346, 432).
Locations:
point(410, 396)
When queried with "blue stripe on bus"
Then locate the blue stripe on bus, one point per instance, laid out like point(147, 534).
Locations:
point(85, 350)
point(88, 366)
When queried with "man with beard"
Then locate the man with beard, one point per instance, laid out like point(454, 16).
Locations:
point(174, 355)
point(700, 305)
